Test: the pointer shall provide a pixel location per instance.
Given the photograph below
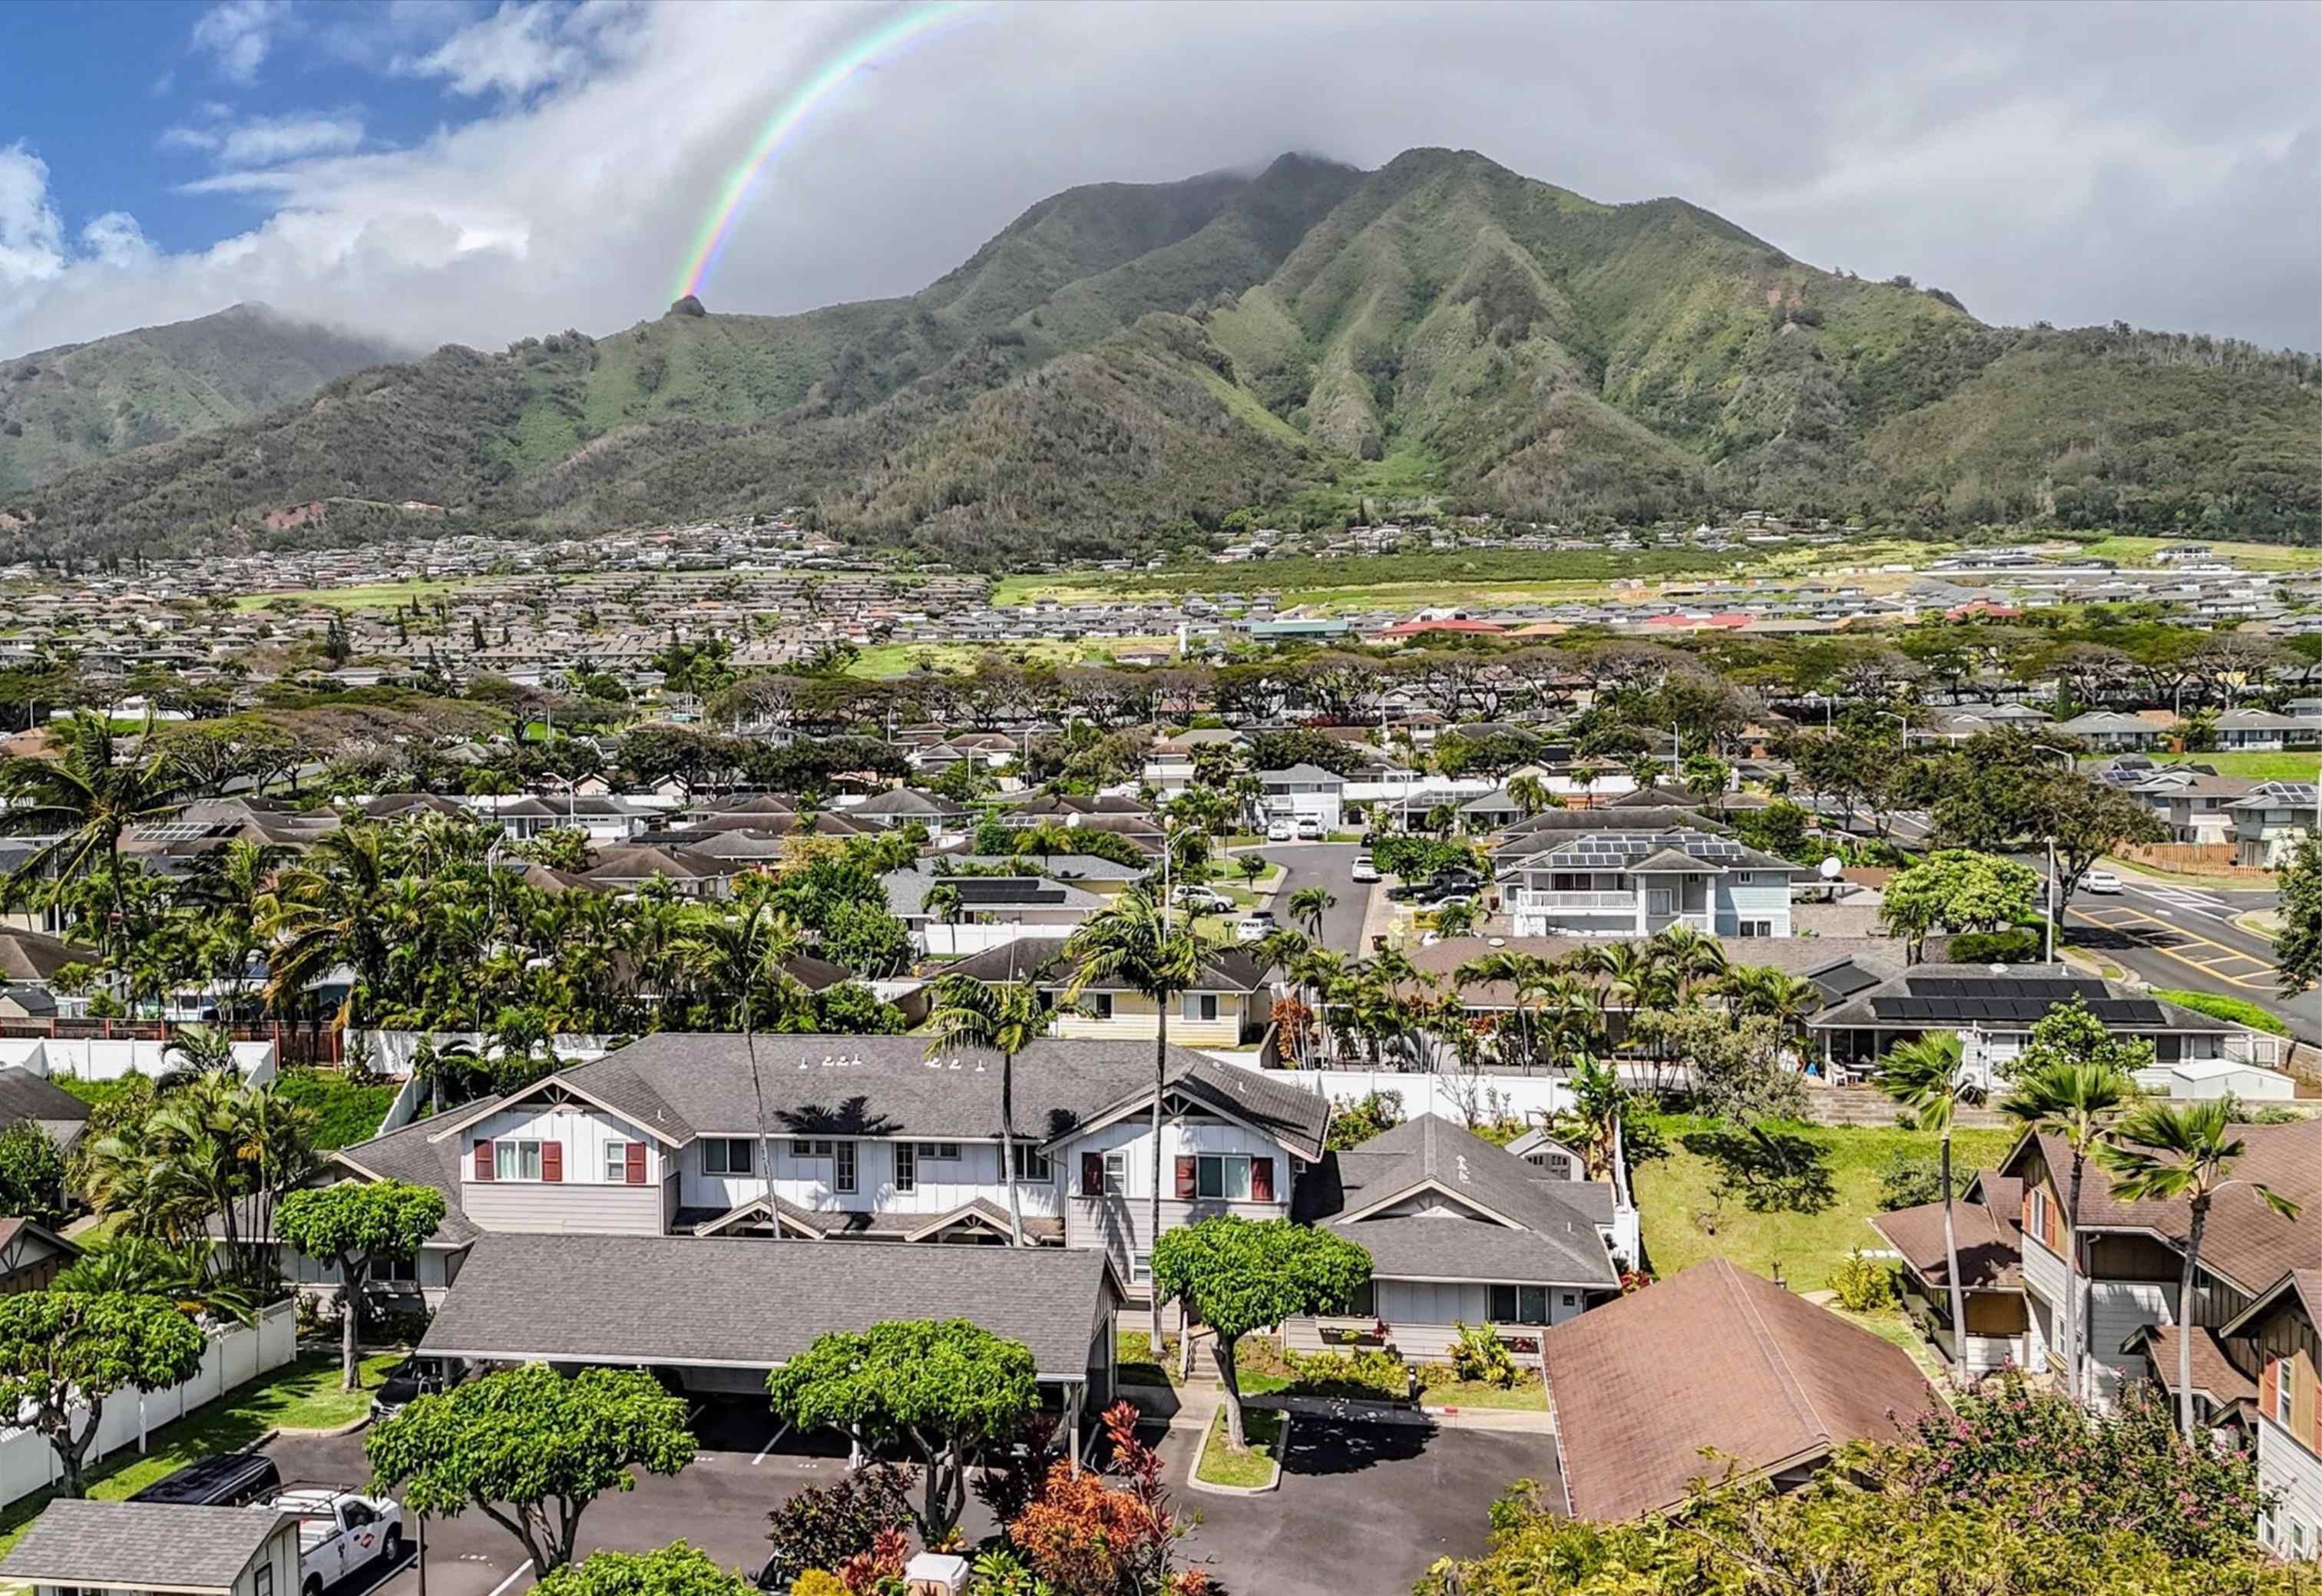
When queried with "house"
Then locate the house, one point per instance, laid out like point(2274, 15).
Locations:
point(25, 1095)
point(605, 821)
point(1714, 1359)
point(30, 962)
point(2109, 731)
point(1985, 1223)
point(145, 1547)
point(898, 806)
point(700, 1308)
point(1459, 1231)
point(848, 1138)
point(2130, 1253)
point(959, 913)
point(2261, 729)
point(1633, 883)
point(2270, 821)
point(1228, 1005)
point(688, 873)
point(31, 1256)
point(1304, 792)
point(2279, 1328)
point(1994, 1009)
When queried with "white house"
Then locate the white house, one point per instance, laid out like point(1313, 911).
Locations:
point(1304, 792)
point(1633, 883)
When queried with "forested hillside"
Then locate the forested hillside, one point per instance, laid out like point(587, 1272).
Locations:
point(64, 407)
point(1123, 363)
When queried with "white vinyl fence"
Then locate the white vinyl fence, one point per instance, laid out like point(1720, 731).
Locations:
point(390, 1053)
point(1453, 1095)
point(29, 1463)
point(90, 1058)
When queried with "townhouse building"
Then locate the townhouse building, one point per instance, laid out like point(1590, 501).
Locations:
point(1634, 882)
point(2270, 821)
point(2280, 1326)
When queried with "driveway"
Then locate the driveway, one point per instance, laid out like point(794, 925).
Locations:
point(1329, 866)
point(1362, 1509)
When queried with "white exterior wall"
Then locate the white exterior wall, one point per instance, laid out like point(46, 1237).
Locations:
point(583, 1200)
point(943, 1184)
point(1753, 895)
point(1120, 1223)
point(2283, 1466)
point(2043, 1281)
point(2116, 1309)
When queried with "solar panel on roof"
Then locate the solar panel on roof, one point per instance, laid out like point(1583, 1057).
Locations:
point(1005, 889)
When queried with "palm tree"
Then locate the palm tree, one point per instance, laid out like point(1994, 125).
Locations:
point(2167, 1153)
point(200, 1050)
point(88, 799)
point(1529, 795)
point(1527, 973)
point(1927, 1076)
point(733, 960)
point(1585, 777)
point(1308, 905)
point(232, 883)
point(1455, 919)
point(322, 915)
point(2079, 1103)
point(139, 1267)
point(1688, 955)
point(1136, 942)
point(1006, 1017)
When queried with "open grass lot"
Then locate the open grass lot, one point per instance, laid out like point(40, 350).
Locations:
point(2248, 556)
point(302, 1394)
point(1222, 1465)
point(902, 659)
point(375, 596)
point(1678, 1197)
point(2290, 765)
point(1528, 1393)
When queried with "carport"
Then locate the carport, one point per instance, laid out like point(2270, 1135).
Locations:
point(723, 1313)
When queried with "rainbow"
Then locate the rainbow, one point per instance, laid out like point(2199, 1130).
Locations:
point(912, 24)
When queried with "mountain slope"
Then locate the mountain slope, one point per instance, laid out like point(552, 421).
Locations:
point(63, 407)
point(1125, 364)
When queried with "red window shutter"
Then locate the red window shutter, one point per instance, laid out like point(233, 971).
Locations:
point(1261, 1180)
point(637, 1170)
point(2268, 1378)
point(1186, 1179)
point(1092, 1175)
point(552, 1160)
point(483, 1161)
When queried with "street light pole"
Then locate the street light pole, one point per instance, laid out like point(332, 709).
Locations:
point(2049, 955)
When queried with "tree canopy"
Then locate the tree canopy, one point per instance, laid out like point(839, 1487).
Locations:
point(63, 1351)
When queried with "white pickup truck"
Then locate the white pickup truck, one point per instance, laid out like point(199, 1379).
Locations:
point(340, 1532)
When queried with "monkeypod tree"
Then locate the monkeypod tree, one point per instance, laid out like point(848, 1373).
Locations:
point(1238, 1275)
point(948, 1386)
point(66, 1352)
point(354, 1225)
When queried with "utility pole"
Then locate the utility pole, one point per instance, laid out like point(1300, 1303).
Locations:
point(2048, 954)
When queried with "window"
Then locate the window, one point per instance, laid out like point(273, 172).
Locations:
point(804, 1148)
point(1519, 1305)
point(1200, 1005)
point(399, 1271)
point(2040, 1213)
point(939, 1150)
point(906, 1166)
point(2284, 1379)
point(516, 1161)
point(1100, 1004)
point(1031, 1166)
point(262, 1579)
point(617, 1163)
point(1140, 1267)
point(1116, 1174)
point(842, 1166)
point(1364, 1303)
point(1659, 900)
point(1222, 1175)
point(1757, 927)
point(723, 1156)
point(2297, 1540)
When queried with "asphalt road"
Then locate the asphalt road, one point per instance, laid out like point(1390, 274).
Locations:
point(2185, 936)
point(1327, 865)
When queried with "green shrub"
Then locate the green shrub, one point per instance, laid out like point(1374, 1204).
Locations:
point(2020, 945)
point(1910, 1178)
point(819, 1581)
point(1861, 1285)
point(1481, 1356)
point(1373, 1374)
point(346, 1111)
point(2239, 1011)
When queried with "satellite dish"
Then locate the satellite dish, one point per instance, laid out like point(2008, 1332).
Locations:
point(1830, 868)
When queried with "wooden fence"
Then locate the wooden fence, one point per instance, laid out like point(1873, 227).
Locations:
point(2205, 859)
point(304, 1042)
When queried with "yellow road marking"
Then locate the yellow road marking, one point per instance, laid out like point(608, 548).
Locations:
point(2210, 968)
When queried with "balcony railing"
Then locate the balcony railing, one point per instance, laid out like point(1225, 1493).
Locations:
point(1622, 902)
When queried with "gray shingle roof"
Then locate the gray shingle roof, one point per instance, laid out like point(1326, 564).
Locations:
point(26, 1096)
point(140, 1545)
point(756, 1304)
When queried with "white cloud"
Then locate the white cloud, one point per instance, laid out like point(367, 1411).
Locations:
point(1879, 138)
point(115, 241)
point(238, 33)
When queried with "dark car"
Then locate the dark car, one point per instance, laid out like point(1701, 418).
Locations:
point(232, 1480)
point(414, 1377)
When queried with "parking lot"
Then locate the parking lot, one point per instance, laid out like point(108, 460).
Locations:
point(1361, 1508)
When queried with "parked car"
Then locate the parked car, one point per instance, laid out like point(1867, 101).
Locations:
point(2102, 881)
point(340, 1532)
point(1254, 927)
point(1363, 870)
point(1202, 900)
point(1281, 831)
point(415, 1376)
point(1309, 830)
point(230, 1479)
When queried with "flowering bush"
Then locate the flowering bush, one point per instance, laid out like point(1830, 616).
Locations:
point(1113, 1534)
point(823, 1526)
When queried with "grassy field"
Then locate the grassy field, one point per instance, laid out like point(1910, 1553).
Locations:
point(1679, 1200)
point(901, 659)
point(2287, 766)
point(1220, 1465)
point(377, 596)
point(2248, 556)
point(300, 1395)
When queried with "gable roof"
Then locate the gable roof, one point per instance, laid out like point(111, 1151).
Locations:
point(141, 1545)
point(754, 1304)
point(1712, 1357)
point(1990, 1241)
point(1956, 996)
point(26, 1096)
point(36, 956)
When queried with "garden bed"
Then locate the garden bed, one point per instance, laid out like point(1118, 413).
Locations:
point(1254, 1470)
point(1529, 1393)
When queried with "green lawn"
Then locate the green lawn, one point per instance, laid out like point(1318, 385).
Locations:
point(1222, 1465)
point(346, 1111)
point(1891, 1324)
point(302, 1394)
point(377, 596)
point(2285, 766)
point(1676, 1194)
point(1133, 1363)
point(1528, 1393)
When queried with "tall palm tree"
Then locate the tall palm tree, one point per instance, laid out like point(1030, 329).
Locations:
point(1927, 1075)
point(736, 963)
point(1526, 973)
point(1137, 942)
point(88, 797)
point(1688, 955)
point(199, 1052)
point(1529, 795)
point(1308, 905)
point(322, 915)
point(2167, 1153)
point(1006, 1017)
point(232, 883)
point(2079, 1103)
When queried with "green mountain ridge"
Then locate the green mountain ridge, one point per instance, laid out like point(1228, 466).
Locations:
point(63, 407)
point(1123, 360)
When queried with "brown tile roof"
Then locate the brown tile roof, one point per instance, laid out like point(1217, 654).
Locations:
point(1718, 1358)
point(2214, 1376)
point(1989, 1239)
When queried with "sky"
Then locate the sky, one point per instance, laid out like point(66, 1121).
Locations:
point(443, 171)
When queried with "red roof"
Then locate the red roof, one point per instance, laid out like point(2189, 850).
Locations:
point(1982, 606)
